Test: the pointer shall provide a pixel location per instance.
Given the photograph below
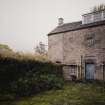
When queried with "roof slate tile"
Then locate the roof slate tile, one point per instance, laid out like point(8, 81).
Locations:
point(74, 26)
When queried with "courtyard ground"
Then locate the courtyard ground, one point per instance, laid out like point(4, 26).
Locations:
point(81, 93)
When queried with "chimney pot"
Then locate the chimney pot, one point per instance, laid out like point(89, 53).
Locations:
point(60, 21)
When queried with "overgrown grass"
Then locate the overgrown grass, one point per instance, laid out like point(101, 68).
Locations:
point(72, 94)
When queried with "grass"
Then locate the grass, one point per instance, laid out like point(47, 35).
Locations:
point(72, 94)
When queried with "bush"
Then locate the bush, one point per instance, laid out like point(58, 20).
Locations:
point(24, 77)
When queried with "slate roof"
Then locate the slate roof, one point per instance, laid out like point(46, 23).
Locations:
point(74, 26)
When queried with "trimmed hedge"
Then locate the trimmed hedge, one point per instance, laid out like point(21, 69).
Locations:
point(26, 77)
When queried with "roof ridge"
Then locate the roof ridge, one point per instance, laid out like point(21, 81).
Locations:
point(72, 22)
point(74, 26)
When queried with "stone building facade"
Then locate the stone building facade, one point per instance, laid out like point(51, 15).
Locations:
point(80, 47)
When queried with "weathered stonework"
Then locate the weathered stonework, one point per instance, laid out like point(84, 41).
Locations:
point(55, 48)
point(76, 48)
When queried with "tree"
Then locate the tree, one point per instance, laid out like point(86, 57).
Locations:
point(98, 8)
point(41, 49)
point(5, 50)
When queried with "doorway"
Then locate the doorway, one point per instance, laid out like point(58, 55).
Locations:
point(89, 71)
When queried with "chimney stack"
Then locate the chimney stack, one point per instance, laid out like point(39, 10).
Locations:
point(60, 21)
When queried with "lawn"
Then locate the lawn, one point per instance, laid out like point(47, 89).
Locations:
point(72, 94)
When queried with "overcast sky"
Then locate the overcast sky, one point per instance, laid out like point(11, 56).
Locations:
point(24, 23)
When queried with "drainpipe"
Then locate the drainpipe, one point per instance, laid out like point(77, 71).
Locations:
point(103, 71)
point(81, 66)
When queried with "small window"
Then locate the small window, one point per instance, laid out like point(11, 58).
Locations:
point(104, 15)
point(72, 69)
point(97, 16)
point(89, 40)
point(87, 19)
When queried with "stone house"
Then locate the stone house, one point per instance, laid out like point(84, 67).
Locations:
point(80, 47)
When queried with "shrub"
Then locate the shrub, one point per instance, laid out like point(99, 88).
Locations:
point(24, 77)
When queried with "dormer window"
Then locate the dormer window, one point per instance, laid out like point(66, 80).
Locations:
point(97, 16)
point(93, 17)
point(104, 15)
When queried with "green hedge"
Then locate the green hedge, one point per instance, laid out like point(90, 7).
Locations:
point(26, 77)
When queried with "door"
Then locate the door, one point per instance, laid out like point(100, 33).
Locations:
point(89, 71)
